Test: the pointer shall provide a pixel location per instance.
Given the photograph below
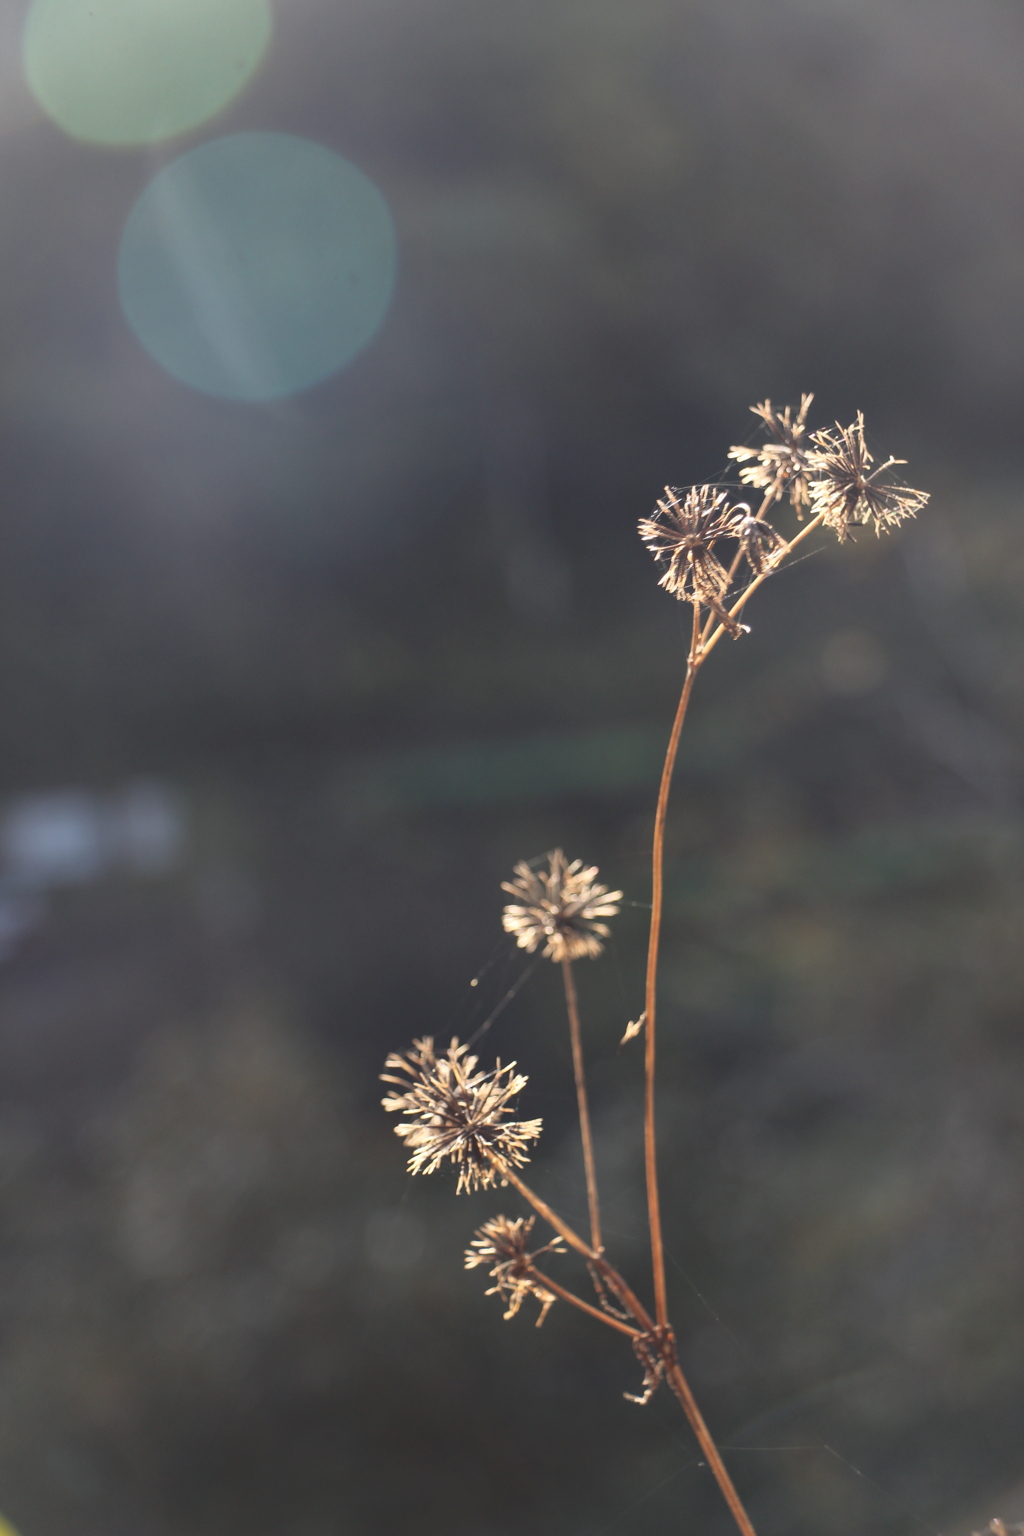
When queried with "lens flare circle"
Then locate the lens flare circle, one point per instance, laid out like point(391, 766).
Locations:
point(138, 71)
point(256, 265)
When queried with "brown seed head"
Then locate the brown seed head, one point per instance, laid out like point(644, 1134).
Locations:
point(781, 464)
point(502, 1244)
point(758, 540)
point(559, 905)
point(684, 533)
point(848, 492)
point(458, 1113)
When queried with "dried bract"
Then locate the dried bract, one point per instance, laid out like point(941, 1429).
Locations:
point(684, 533)
point(782, 464)
point(458, 1113)
point(654, 1350)
point(559, 905)
point(758, 540)
point(847, 492)
point(502, 1244)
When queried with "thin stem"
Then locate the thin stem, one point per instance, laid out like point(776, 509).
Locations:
point(546, 1282)
point(581, 1100)
point(657, 868)
point(616, 1284)
point(542, 1208)
point(608, 1272)
point(681, 1388)
point(745, 597)
point(769, 496)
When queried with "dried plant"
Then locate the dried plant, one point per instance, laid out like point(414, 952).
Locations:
point(704, 539)
point(847, 492)
point(559, 906)
point(780, 465)
point(502, 1244)
point(458, 1113)
point(684, 533)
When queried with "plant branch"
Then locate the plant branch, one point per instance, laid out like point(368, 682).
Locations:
point(607, 1271)
point(546, 1283)
point(581, 1101)
point(770, 495)
point(744, 598)
point(681, 1388)
point(657, 867)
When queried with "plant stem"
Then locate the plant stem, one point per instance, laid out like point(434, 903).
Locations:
point(577, 1301)
point(657, 866)
point(666, 1346)
point(681, 1388)
point(770, 495)
point(581, 1100)
point(737, 608)
point(607, 1271)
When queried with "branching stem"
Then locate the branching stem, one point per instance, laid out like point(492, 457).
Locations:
point(546, 1282)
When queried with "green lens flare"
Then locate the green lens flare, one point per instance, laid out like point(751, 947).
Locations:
point(256, 265)
point(137, 71)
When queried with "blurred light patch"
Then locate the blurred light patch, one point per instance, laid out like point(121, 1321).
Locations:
point(137, 71)
point(257, 265)
point(72, 836)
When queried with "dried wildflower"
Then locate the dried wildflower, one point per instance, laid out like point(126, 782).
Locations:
point(502, 1243)
point(757, 538)
point(685, 534)
point(848, 492)
point(560, 906)
point(782, 464)
point(458, 1113)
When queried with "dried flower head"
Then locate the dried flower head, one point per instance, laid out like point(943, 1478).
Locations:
point(781, 464)
point(561, 906)
point(685, 534)
point(848, 492)
point(757, 539)
point(502, 1244)
point(458, 1113)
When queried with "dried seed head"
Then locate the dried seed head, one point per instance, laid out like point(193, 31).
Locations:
point(458, 1113)
point(848, 492)
point(684, 533)
point(757, 539)
point(559, 905)
point(781, 464)
point(502, 1244)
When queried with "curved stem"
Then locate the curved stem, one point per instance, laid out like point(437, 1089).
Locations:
point(657, 868)
point(581, 1101)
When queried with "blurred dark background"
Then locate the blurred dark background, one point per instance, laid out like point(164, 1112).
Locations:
point(286, 690)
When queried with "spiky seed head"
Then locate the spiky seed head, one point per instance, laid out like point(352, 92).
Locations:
point(782, 463)
point(458, 1113)
point(683, 532)
point(502, 1244)
point(559, 905)
point(847, 492)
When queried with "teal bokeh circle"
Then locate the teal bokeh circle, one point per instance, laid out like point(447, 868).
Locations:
point(256, 265)
point(137, 71)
